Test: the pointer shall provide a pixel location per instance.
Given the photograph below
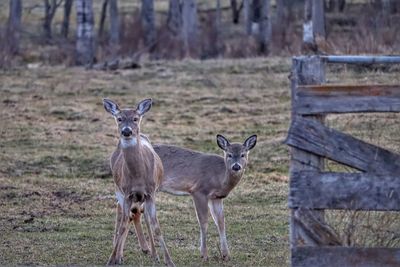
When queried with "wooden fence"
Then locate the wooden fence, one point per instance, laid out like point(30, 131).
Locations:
point(376, 187)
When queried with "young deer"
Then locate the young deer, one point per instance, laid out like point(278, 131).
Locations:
point(208, 178)
point(137, 172)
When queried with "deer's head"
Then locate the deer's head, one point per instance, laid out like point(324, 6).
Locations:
point(128, 120)
point(236, 154)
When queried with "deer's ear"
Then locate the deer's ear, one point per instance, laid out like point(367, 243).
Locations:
point(250, 142)
point(222, 142)
point(111, 107)
point(144, 106)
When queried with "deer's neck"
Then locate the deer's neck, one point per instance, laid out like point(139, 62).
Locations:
point(230, 181)
point(133, 155)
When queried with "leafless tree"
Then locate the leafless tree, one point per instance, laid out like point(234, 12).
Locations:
point(114, 26)
point(281, 18)
point(189, 26)
point(247, 16)
point(283, 13)
point(236, 9)
point(252, 10)
point(174, 20)
point(148, 24)
point(50, 8)
point(308, 37)
point(218, 29)
point(103, 15)
point(318, 18)
point(264, 36)
point(14, 26)
point(335, 5)
point(85, 37)
point(67, 14)
point(388, 8)
point(314, 24)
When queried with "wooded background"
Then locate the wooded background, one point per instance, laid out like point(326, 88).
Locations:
point(88, 31)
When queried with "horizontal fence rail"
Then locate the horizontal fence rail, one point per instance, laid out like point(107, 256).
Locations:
point(362, 59)
point(345, 256)
point(322, 99)
point(350, 191)
point(314, 137)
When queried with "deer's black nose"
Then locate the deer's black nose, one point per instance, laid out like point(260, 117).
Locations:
point(236, 167)
point(126, 132)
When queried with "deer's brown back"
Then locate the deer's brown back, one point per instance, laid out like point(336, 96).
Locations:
point(186, 170)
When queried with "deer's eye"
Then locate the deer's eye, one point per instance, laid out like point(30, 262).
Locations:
point(135, 119)
point(119, 119)
point(229, 155)
point(242, 155)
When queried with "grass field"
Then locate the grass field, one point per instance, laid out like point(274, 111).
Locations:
point(57, 200)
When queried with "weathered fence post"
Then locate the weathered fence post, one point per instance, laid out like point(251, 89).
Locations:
point(305, 71)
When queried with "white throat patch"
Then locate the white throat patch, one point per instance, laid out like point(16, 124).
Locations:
point(133, 142)
point(128, 142)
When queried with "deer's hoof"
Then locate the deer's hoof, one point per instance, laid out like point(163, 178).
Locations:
point(115, 261)
point(204, 258)
point(155, 258)
point(226, 257)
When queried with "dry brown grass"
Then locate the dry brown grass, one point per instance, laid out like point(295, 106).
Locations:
point(56, 191)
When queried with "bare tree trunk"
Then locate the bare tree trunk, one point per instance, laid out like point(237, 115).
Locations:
point(14, 26)
point(67, 14)
point(388, 8)
point(330, 5)
point(318, 19)
point(174, 20)
point(280, 12)
point(148, 24)
point(256, 10)
point(282, 20)
point(255, 17)
point(189, 26)
point(247, 16)
point(236, 11)
point(313, 16)
point(114, 27)
point(342, 5)
point(103, 16)
point(218, 27)
point(50, 11)
point(308, 36)
point(265, 27)
point(335, 5)
point(85, 37)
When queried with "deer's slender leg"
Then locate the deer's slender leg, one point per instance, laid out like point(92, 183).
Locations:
point(117, 222)
point(153, 250)
point(139, 233)
point(200, 203)
point(150, 210)
point(117, 253)
point(217, 213)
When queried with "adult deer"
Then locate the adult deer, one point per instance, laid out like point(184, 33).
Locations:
point(208, 178)
point(137, 172)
